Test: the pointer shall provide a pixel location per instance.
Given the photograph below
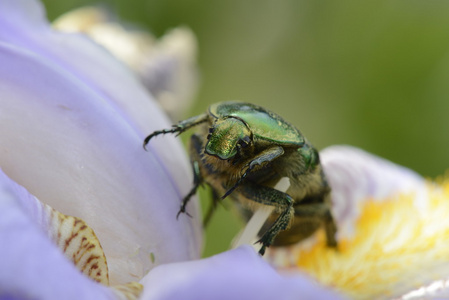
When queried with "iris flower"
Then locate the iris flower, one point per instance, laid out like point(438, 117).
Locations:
point(86, 213)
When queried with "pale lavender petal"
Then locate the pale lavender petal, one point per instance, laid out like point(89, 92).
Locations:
point(166, 66)
point(355, 176)
point(236, 274)
point(169, 71)
point(31, 266)
point(72, 123)
point(23, 24)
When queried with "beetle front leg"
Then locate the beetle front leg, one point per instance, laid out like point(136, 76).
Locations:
point(269, 196)
point(261, 159)
point(178, 128)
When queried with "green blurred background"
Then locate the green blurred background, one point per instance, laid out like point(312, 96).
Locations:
point(373, 74)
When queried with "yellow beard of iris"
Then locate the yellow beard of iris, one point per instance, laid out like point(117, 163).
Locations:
point(397, 247)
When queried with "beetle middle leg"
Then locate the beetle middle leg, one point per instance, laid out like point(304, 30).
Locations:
point(195, 149)
point(269, 196)
point(197, 181)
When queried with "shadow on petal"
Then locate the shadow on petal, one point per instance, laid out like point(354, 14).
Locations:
point(236, 274)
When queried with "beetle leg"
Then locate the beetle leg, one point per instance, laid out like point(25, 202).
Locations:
point(195, 149)
point(260, 159)
point(211, 209)
point(320, 211)
point(272, 197)
point(197, 181)
point(178, 128)
point(186, 200)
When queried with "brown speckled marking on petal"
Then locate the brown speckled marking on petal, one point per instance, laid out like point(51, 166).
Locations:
point(129, 291)
point(79, 244)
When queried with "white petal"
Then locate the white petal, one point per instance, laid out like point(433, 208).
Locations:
point(356, 176)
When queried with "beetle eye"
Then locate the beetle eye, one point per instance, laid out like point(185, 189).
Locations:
point(211, 130)
point(245, 142)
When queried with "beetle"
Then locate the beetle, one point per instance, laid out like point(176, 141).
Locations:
point(242, 150)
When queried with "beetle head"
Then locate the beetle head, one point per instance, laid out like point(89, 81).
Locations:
point(227, 136)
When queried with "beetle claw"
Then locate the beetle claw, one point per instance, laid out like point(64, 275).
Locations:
point(265, 244)
point(263, 248)
point(183, 210)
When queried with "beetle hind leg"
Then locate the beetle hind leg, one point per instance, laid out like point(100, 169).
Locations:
point(331, 229)
point(321, 214)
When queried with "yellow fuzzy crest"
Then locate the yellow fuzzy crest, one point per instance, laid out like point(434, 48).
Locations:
point(398, 246)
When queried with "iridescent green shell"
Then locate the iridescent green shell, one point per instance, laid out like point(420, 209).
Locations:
point(264, 124)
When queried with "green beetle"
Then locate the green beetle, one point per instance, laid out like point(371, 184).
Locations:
point(242, 150)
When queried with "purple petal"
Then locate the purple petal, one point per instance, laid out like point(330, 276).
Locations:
point(72, 122)
point(236, 274)
point(355, 176)
point(31, 267)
